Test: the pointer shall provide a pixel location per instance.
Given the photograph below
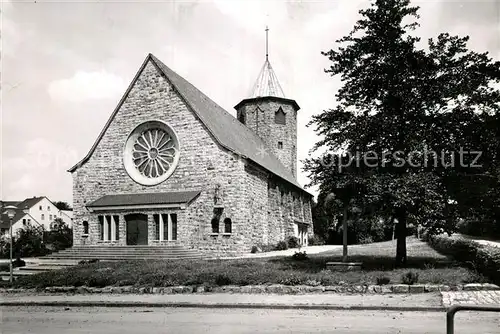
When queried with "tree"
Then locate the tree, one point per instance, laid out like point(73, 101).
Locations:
point(60, 235)
point(62, 205)
point(398, 104)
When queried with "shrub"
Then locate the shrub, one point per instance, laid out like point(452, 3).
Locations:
point(300, 256)
point(484, 259)
point(29, 242)
point(293, 242)
point(409, 278)
point(383, 280)
point(282, 245)
point(254, 250)
point(315, 240)
point(222, 279)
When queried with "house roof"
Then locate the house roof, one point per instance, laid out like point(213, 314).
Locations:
point(178, 197)
point(29, 202)
point(5, 222)
point(26, 204)
point(225, 128)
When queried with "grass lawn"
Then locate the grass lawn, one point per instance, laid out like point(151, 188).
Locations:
point(377, 259)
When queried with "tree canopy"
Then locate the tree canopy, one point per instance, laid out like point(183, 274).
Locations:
point(406, 121)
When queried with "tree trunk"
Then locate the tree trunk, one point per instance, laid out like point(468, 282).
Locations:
point(344, 236)
point(401, 232)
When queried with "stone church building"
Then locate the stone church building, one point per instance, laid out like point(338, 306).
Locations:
point(171, 167)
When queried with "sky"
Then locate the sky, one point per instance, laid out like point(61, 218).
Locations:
point(65, 66)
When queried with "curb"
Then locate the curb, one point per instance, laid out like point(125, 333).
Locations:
point(226, 305)
point(261, 289)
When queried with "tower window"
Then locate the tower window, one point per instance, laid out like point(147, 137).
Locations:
point(280, 145)
point(280, 117)
point(241, 117)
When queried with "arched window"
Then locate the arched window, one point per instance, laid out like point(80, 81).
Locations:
point(228, 225)
point(85, 227)
point(280, 117)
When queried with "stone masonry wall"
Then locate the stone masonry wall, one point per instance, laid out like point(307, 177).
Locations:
point(259, 117)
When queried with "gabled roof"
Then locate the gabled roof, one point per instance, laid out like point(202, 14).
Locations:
point(5, 221)
point(29, 202)
point(225, 128)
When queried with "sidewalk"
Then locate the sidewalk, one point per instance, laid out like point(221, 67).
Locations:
point(403, 302)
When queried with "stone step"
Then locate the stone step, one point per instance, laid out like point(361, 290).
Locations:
point(19, 273)
point(130, 252)
point(118, 257)
point(41, 268)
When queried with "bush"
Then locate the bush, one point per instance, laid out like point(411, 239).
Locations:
point(484, 259)
point(60, 236)
point(300, 256)
point(293, 242)
point(383, 280)
point(315, 240)
point(254, 250)
point(409, 278)
point(282, 245)
point(29, 242)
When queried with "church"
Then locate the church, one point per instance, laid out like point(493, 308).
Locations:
point(173, 168)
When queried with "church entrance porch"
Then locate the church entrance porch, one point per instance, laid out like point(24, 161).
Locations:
point(137, 229)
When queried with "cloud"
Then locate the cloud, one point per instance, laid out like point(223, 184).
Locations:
point(85, 86)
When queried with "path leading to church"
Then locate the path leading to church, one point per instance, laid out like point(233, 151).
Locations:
point(49, 320)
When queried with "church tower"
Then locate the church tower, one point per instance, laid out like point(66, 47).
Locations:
point(272, 116)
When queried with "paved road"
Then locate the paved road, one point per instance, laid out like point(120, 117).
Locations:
point(17, 320)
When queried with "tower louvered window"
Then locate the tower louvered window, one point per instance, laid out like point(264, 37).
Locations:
point(280, 117)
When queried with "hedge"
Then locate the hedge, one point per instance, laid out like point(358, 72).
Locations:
point(484, 259)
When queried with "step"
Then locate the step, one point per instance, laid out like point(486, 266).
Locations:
point(119, 258)
point(41, 268)
point(19, 273)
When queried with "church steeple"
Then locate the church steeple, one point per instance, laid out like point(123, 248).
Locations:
point(272, 116)
point(267, 83)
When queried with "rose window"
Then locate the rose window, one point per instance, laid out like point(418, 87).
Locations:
point(151, 153)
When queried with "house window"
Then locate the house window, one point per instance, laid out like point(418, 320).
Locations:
point(173, 222)
point(280, 145)
point(101, 227)
point(215, 225)
point(48, 208)
point(24, 222)
point(165, 227)
point(40, 208)
point(228, 228)
point(50, 217)
point(85, 227)
point(156, 219)
point(116, 220)
point(42, 217)
point(108, 235)
point(280, 117)
point(166, 233)
point(29, 221)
